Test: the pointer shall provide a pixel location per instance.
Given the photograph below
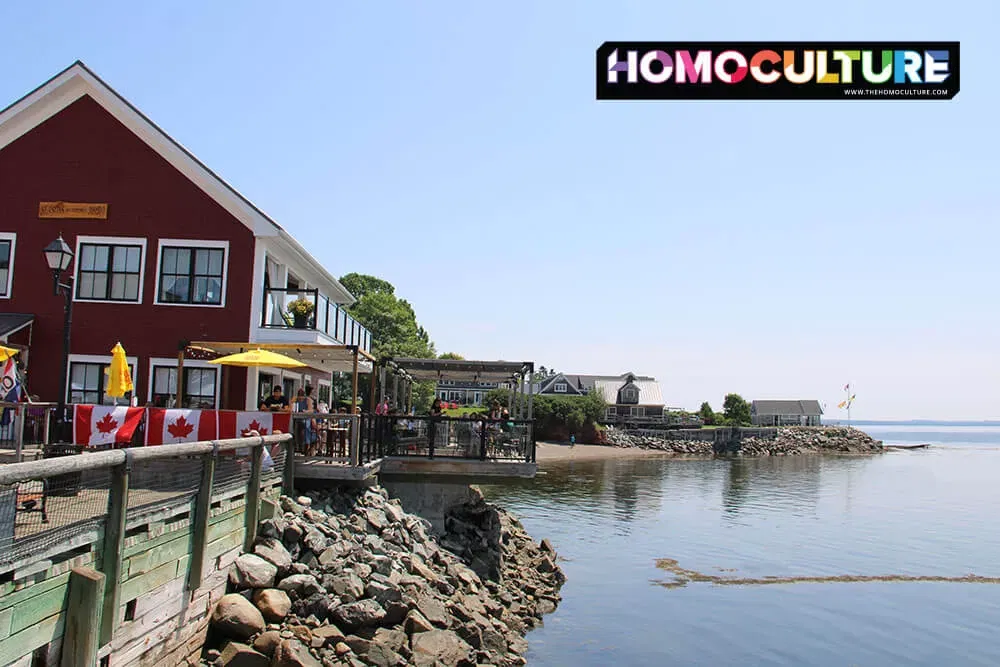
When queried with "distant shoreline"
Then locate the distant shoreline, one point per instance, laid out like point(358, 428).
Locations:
point(912, 422)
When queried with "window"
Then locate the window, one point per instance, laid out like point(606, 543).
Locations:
point(323, 393)
point(87, 382)
point(6, 263)
point(191, 275)
point(560, 387)
point(199, 387)
point(109, 272)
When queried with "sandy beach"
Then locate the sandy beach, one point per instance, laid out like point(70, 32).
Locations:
point(559, 451)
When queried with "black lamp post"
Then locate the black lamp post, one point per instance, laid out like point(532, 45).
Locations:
point(59, 257)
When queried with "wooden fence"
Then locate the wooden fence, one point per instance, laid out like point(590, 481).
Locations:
point(122, 553)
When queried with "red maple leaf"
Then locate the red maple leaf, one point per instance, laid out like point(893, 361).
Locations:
point(180, 428)
point(254, 426)
point(107, 425)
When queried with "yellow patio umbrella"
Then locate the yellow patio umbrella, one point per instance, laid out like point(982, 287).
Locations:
point(7, 352)
point(119, 376)
point(258, 358)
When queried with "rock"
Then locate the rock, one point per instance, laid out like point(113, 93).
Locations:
point(267, 642)
point(347, 585)
point(382, 593)
point(330, 634)
point(415, 622)
point(354, 615)
point(442, 647)
point(274, 604)
point(433, 610)
point(274, 552)
point(342, 649)
point(380, 655)
point(292, 653)
point(302, 584)
point(305, 501)
point(234, 616)
point(314, 540)
point(251, 571)
point(318, 605)
point(241, 655)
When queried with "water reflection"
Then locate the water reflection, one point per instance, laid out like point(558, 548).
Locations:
point(804, 519)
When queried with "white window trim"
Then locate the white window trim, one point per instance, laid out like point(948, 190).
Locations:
point(168, 362)
point(12, 237)
point(557, 385)
point(192, 243)
point(133, 363)
point(110, 240)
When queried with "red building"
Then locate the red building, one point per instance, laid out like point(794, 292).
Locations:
point(165, 251)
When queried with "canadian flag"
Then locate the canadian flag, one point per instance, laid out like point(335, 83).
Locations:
point(238, 424)
point(95, 425)
point(170, 426)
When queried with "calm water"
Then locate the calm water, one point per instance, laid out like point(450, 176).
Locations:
point(932, 512)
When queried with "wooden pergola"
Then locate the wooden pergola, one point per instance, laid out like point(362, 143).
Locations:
point(517, 373)
point(325, 358)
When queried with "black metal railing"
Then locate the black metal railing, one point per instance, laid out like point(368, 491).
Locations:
point(327, 317)
point(455, 437)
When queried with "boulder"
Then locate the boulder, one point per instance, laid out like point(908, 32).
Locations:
point(347, 585)
point(354, 615)
point(267, 642)
point(330, 634)
point(274, 552)
point(241, 655)
point(434, 611)
point(415, 622)
point(440, 647)
point(251, 571)
point(302, 584)
point(274, 604)
point(293, 653)
point(234, 616)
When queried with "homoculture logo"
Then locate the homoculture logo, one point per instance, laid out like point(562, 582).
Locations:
point(777, 70)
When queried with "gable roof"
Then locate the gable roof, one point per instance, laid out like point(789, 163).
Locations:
point(587, 382)
point(78, 80)
point(649, 391)
point(549, 383)
point(796, 408)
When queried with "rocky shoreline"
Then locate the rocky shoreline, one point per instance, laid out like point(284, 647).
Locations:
point(787, 442)
point(349, 578)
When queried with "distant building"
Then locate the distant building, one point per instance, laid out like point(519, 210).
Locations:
point(465, 393)
point(628, 395)
point(785, 413)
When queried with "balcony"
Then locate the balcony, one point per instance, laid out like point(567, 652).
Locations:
point(327, 318)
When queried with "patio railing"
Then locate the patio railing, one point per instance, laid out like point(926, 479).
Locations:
point(326, 317)
point(454, 437)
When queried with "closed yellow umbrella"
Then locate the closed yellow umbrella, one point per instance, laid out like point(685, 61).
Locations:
point(258, 358)
point(7, 352)
point(119, 376)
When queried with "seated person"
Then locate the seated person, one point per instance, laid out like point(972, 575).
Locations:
point(276, 402)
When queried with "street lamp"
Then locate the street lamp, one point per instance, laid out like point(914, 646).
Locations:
point(59, 257)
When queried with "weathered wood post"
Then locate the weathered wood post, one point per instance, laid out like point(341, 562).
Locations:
point(253, 496)
point(202, 510)
point(81, 639)
point(114, 544)
point(288, 481)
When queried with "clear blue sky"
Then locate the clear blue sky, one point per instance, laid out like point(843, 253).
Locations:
point(775, 249)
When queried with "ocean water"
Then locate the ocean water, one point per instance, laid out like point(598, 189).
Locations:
point(933, 512)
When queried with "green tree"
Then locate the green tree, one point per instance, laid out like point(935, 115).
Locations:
point(452, 355)
point(706, 413)
point(359, 284)
point(393, 326)
point(736, 410)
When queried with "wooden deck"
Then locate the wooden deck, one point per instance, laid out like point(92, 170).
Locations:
point(333, 468)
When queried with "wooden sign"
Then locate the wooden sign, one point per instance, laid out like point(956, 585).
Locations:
point(65, 209)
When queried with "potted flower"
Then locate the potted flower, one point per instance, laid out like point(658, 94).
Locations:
point(300, 310)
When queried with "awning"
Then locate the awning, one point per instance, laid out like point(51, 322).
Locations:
point(14, 322)
point(326, 358)
point(455, 369)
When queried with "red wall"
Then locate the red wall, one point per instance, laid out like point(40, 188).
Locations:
point(83, 154)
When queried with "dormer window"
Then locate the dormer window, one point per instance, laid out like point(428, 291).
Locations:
point(560, 388)
point(628, 394)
